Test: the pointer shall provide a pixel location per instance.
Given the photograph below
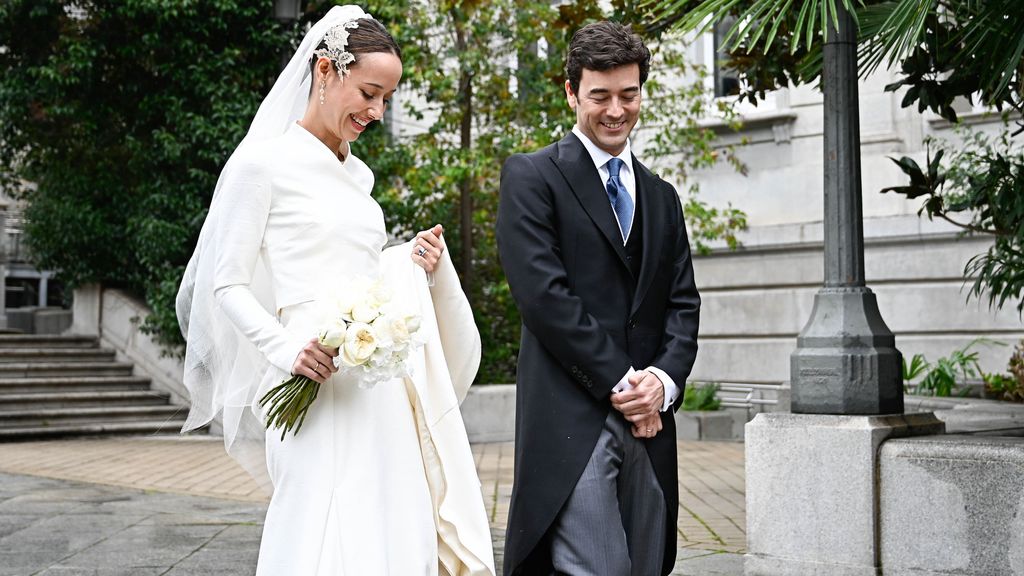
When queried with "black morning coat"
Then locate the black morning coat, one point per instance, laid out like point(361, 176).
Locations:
point(587, 317)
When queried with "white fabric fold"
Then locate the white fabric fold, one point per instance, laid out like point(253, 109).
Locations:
point(444, 371)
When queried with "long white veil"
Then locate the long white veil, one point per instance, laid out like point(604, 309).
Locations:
point(222, 368)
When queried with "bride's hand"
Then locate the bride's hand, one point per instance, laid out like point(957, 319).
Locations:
point(315, 361)
point(428, 248)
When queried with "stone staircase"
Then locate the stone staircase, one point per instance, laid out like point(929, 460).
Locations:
point(68, 385)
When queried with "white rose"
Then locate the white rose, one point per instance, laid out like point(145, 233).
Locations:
point(344, 303)
point(365, 311)
point(334, 336)
point(360, 344)
point(383, 329)
point(399, 330)
point(378, 294)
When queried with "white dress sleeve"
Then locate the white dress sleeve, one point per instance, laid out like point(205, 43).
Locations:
point(243, 210)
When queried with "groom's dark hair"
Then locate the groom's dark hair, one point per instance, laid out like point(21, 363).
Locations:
point(602, 46)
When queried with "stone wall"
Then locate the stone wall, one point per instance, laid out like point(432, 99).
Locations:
point(756, 301)
point(116, 319)
point(952, 505)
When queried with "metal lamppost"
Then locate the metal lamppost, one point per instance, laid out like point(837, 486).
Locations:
point(286, 11)
point(846, 360)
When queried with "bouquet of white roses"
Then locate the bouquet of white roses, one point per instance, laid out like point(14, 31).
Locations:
point(374, 340)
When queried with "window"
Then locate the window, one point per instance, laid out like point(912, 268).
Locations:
point(723, 82)
point(727, 81)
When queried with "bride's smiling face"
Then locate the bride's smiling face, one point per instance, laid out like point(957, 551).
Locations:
point(351, 104)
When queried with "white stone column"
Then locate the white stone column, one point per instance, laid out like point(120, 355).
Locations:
point(813, 491)
point(86, 311)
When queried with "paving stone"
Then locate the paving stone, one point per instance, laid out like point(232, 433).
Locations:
point(703, 563)
point(77, 571)
point(182, 507)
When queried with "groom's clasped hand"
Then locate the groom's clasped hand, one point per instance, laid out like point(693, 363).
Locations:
point(641, 405)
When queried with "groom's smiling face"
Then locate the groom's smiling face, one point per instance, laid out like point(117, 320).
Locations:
point(607, 105)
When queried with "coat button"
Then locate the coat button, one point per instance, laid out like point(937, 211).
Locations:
point(632, 324)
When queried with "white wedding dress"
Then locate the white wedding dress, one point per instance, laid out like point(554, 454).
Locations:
point(375, 481)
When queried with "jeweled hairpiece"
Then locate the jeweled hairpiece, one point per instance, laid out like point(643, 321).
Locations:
point(337, 43)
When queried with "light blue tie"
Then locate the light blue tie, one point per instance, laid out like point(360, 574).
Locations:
point(622, 203)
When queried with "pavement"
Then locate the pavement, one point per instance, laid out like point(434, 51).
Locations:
point(179, 506)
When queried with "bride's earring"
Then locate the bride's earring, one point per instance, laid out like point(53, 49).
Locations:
point(322, 84)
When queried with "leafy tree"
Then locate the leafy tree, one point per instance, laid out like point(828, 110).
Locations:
point(490, 75)
point(115, 118)
point(981, 190)
point(942, 51)
point(121, 115)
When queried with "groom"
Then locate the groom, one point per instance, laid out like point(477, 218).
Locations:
point(596, 254)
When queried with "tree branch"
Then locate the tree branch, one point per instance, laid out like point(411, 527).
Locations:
point(970, 227)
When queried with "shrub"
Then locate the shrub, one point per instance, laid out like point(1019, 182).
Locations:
point(700, 397)
point(948, 375)
point(1009, 387)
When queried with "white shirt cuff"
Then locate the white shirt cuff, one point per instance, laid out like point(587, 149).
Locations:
point(671, 390)
point(624, 384)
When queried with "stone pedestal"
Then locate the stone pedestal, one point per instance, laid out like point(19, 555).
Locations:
point(812, 491)
point(952, 505)
point(846, 361)
point(87, 311)
point(489, 412)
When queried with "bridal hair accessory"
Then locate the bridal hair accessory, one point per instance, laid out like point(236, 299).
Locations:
point(336, 51)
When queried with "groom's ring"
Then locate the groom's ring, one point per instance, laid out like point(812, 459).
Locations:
point(421, 251)
point(317, 370)
point(650, 429)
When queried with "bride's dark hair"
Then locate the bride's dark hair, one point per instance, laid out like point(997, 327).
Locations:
point(368, 38)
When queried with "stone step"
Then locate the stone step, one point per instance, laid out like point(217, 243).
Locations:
point(51, 355)
point(51, 417)
point(37, 400)
point(46, 341)
point(171, 426)
point(54, 384)
point(64, 369)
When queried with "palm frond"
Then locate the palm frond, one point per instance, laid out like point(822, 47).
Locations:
point(758, 20)
point(894, 38)
point(995, 30)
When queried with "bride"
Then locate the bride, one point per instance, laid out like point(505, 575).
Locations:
point(380, 480)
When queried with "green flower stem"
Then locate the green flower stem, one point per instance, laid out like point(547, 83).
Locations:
point(289, 402)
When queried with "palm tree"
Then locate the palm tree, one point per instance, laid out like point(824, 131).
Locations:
point(943, 49)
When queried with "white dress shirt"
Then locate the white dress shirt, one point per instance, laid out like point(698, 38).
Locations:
point(628, 179)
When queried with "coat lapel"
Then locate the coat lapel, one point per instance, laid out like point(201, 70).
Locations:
point(577, 168)
point(652, 211)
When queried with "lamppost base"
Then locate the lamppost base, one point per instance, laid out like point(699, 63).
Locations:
point(846, 361)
